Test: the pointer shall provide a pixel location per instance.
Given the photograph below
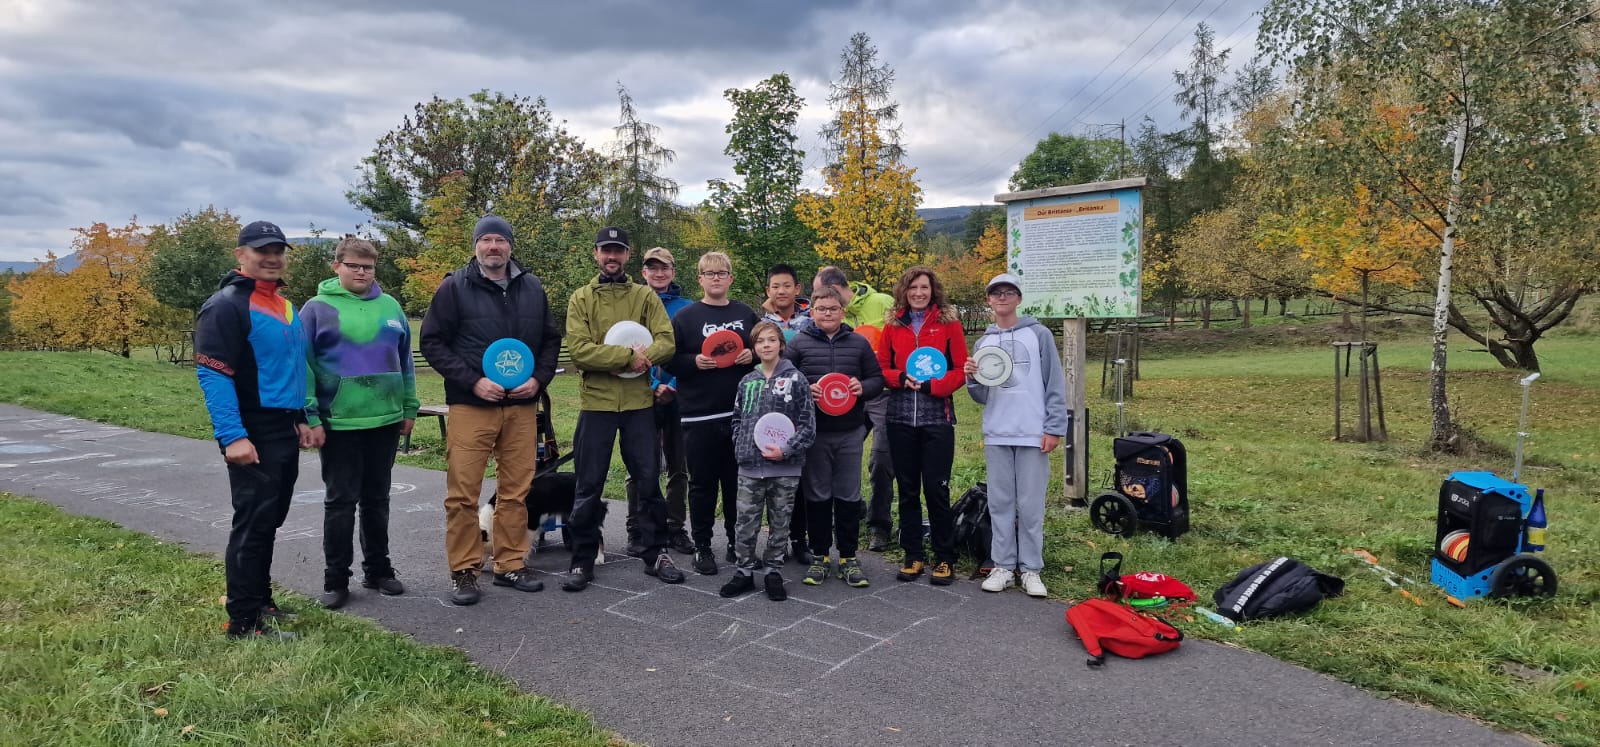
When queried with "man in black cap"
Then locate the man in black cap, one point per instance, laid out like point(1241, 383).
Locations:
point(249, 353)
point(489, 299)
point(616, 399)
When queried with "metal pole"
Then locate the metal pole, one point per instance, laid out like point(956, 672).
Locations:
point(1121, 366)
point(1522, 424)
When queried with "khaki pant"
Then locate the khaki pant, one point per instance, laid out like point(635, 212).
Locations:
point(510, 434)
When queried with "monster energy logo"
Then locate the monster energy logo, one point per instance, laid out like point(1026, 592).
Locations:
point(752, 393)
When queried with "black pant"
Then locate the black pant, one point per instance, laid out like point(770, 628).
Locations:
point(712, 465)
point(833, 519)
point(670, 431)
point(356, 466)
point(922, 457)
point(591, 448)
point(261, 494)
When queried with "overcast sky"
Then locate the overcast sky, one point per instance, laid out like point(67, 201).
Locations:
point(109, 110)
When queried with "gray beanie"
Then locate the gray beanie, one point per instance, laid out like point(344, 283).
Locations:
point(493, 224)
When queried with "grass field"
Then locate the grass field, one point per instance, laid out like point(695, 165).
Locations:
point(1266, 479)
point(111, 638)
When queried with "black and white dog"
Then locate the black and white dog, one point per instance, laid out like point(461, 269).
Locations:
point(551, 495)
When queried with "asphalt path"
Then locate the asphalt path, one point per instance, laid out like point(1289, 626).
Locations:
point(892, 664)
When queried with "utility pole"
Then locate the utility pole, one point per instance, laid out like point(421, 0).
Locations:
point(1122, 140)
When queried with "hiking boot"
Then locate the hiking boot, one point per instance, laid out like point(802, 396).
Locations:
point(704, 563)
point(258, 631)
point(999, 580)
point(850, 572)
point(739, 584)
point(799, 553)
point(464, 588)
point(664, 569)
point(774, 584)
point(942, 574)
point(520, 579)
point(817, 573)
point(910, 570)
point(333, 599)
point(1034, 585)
point(577, 579)
point(878, 540)
point(388, 586)
point(682, 544)
point(271, 611)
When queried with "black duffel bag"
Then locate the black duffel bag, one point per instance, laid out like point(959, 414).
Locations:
point(1276, 587)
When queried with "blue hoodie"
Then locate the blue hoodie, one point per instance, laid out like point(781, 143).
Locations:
point(673, 299)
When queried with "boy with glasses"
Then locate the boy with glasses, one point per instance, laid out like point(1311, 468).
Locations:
point(363, 399)
point(705, 400)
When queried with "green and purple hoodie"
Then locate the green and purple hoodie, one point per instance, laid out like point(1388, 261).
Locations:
point(359, 349)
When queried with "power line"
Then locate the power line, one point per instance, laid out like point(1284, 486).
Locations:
point(963, 179)
point(1110, 95)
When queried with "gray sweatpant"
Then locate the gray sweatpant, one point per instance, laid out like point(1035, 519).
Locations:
point(1017, 478)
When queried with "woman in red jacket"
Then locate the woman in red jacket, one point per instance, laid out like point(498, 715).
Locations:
point(922, 418)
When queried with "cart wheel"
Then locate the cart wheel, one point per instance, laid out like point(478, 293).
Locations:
point(1114, 513)
point(1522, 576)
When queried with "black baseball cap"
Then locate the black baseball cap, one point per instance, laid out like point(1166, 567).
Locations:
point(261, 234)
point(612, 235)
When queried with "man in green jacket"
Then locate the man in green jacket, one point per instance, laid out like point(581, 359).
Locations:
point(364, 396)
point(863, 305)
point(615, 399)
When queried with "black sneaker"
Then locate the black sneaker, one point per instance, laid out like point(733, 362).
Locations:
point(878, 540)
point(731, 556)
point(774, 584)
point(388, 586)
point(464, 588)
point(258, 631)
point(739, 584)
point(799, 553)
point(682, 544)
point(520, 579)
point(271, 611)
point(577, 579)
point(333, 599)
point(635, 549)
point(704, 563)
point(664, 569)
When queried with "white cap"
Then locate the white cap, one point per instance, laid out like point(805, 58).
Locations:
point(1004, 278)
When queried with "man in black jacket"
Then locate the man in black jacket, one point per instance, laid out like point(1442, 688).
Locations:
point(491, 298)
point(831, 482)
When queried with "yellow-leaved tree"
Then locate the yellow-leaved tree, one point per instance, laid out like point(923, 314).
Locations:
point(866, 221)
point(965, 275)
point(102, 303)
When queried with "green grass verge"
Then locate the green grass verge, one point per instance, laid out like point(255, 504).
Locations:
point(1265, 480)
point(112, 638)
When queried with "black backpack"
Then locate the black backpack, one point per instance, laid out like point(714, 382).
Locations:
point(974, 533)
point(1277, 587)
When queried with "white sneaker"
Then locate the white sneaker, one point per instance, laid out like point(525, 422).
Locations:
point(999, 580)
point(1032, 584)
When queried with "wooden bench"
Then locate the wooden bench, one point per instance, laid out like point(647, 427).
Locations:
point(442, 412)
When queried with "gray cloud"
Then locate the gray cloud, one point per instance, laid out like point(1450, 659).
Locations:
point(112, 110)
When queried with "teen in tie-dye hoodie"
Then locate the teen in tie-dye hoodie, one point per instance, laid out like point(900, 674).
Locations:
point(360, 354)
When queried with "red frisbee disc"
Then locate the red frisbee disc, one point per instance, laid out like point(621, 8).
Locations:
point(723, 346)
point(836, 398)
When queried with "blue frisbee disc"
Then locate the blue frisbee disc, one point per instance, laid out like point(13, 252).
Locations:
point(508, 362)
point(926, 364)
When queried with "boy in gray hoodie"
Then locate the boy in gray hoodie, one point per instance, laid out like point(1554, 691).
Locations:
point(769, 474)
point(1024, 418)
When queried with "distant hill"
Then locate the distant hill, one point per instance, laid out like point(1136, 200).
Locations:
point(946, 220)
point(66, 264)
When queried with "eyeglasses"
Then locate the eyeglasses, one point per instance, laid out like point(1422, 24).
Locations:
point(1005, 293)
point(716, 274)
point(353, 267)
point(826, 309)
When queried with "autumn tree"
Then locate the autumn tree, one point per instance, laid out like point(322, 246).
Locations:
point(863, 85)
point(867, 220)
point(755, 212)
point(1473, 119)
point(965, 276)
point(190, 257)
point(102, 303)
